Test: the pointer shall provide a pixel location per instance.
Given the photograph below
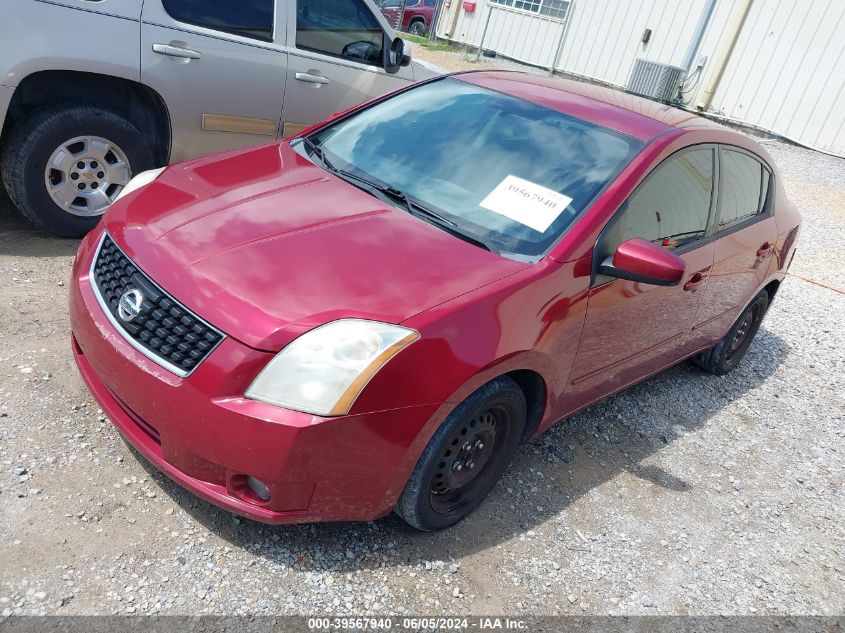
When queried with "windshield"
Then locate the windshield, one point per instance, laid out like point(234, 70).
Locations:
point(507, 172)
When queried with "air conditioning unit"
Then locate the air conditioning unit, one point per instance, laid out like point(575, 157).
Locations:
point(655, 81)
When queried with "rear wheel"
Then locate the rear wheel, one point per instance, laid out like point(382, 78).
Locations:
point(63, 166)
point(465, 458)
point(725, 355)
point(417, 28)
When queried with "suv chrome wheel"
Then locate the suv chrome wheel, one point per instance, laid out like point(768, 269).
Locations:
point(85, 174)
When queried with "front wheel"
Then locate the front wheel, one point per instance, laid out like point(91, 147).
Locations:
point(725, 355)
point(63, 166)
point(465, 457)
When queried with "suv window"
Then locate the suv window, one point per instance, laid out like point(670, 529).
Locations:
point(250, 18)
point(343, 28)
point(430, 3)
point(744, 186)
point(671, 207)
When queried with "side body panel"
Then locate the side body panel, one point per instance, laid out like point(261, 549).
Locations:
point(531, 320)
point(632, 330)
point(741, 266)
point(343, 82)
point(230, 96)
point(100, 37)
point(6, 93)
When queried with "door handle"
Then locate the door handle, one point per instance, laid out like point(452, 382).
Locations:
point(694, 282)
point(176, 51)
point(311, 78)
point(765, 249)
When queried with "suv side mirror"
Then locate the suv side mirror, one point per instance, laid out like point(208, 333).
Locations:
point(396, 56)
point(640, 260)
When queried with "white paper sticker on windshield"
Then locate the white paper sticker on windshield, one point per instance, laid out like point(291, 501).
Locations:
point(526, 202)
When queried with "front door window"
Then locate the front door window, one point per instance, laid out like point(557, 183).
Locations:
point(341, 28)
point(671, 207)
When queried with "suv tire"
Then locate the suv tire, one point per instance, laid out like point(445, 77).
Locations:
point(38, 137)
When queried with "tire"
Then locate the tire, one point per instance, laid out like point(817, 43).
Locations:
point(47, 131)
point(445, 487)
point(417, 28)
point(726, 355)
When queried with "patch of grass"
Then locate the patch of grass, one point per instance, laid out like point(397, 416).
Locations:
point(428, 44)
point(416, 39)
point(439, 46)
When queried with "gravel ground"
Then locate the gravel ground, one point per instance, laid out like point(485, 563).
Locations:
point(468, 59)
point(688, 494)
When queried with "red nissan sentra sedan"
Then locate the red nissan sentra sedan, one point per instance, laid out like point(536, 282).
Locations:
point(373, 315)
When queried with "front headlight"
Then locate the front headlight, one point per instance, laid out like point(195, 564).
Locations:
point(323, 371)
point(142, 179)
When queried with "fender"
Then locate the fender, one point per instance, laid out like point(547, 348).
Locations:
point(539, 299)
point(71, 38)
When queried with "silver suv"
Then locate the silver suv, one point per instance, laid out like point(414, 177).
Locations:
point(94, 91)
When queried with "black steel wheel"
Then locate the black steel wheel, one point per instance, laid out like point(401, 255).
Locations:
point(729, 351)
point(466, 457)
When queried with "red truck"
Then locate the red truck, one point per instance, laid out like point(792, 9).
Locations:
point(416, 19)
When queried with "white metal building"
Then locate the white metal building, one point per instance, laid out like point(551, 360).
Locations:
point(775, 64)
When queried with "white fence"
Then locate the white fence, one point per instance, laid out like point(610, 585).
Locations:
point(518, 34)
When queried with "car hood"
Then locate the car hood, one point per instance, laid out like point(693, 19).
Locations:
point(265, 245)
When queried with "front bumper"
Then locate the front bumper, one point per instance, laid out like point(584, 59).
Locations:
point(202, 433)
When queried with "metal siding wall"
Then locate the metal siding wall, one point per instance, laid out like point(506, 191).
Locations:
point(787, 72)
point(604, 39)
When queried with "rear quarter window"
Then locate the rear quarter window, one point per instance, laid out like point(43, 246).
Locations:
point(744, 188)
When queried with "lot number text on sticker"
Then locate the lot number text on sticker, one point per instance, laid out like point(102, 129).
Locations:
point(526, 202)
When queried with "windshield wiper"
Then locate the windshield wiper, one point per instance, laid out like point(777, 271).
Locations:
point(414, 208)
point(319, 153)
point(418, 210)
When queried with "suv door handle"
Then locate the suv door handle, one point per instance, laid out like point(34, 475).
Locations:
point(765, 249)
point(312, 79)
point(176, 51)
point(694, 282)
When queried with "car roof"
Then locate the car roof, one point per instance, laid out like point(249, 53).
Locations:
point(621, 111)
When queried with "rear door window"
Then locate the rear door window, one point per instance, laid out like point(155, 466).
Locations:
point(743, 188)
point(249, 18)
point(341, 28)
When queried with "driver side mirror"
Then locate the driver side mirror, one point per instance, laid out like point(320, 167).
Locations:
point(638, 259)
point(396, 56)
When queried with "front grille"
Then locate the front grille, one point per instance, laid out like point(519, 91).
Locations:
point(163, 329)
